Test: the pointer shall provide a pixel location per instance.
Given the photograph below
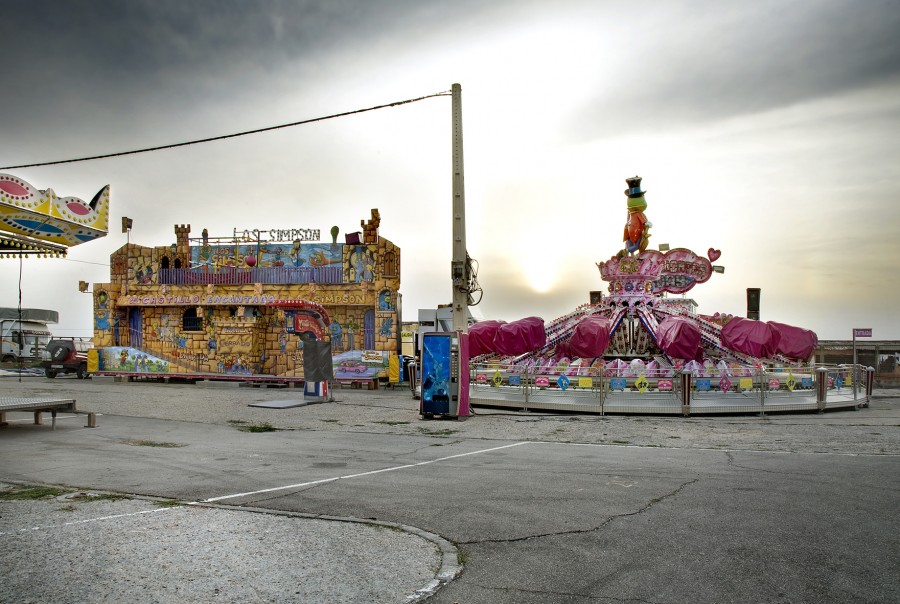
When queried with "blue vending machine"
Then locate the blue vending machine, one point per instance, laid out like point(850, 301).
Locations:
point(444, 375)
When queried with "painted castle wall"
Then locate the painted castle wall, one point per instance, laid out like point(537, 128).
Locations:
point(245, 307)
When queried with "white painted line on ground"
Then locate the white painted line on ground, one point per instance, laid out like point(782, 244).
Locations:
point(336, 478)
point(89, 520)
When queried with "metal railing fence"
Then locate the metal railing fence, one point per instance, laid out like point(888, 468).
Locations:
point(669, 391)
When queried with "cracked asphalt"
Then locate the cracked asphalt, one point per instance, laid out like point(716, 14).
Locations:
point(534, 507)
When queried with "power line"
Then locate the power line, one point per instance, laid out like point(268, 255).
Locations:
point(86, 262)
point(225, 136)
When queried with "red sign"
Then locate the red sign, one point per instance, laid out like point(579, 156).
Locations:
point(862, 332)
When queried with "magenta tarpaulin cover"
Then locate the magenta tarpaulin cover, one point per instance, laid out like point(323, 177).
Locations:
point(795, 342)
point(678, 337)
point(481, 337)
point(590, 338)
point(562, 350)
point(755, 338)
point(520, 336)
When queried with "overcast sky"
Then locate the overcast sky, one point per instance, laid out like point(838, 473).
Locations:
point(766, 129)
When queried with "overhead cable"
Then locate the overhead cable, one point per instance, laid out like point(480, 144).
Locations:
point(225, 136)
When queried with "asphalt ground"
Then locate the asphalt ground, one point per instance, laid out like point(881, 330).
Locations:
point(360, 500)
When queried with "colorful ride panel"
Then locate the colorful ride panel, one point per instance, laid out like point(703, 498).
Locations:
point(41, 216)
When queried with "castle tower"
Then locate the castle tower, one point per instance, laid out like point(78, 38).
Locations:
point(370, 227)
point(182, 244)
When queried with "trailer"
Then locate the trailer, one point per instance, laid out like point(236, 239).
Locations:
point(24, 333)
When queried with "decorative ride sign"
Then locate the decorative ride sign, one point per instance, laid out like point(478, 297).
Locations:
point(251, 235)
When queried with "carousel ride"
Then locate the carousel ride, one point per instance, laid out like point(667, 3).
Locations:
point(37, 222)
point(641, 334)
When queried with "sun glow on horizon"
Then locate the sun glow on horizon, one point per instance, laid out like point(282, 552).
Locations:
point(537, 263)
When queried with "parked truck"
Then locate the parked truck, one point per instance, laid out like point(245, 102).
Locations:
point(67, 355)
point(24, 334)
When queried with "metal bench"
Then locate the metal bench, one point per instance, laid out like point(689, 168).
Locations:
point(39, 406)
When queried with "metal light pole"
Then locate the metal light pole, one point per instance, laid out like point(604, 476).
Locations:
point(459, 264)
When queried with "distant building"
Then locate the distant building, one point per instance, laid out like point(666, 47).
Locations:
point(882, 355)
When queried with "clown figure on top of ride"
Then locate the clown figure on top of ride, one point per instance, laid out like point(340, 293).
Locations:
point(637, 228)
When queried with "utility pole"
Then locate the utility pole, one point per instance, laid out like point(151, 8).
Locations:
point(459, 265)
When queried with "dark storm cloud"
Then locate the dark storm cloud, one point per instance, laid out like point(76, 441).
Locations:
point(88, 76)
point(130, 37)
point(88, 54)
point(718, 60)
